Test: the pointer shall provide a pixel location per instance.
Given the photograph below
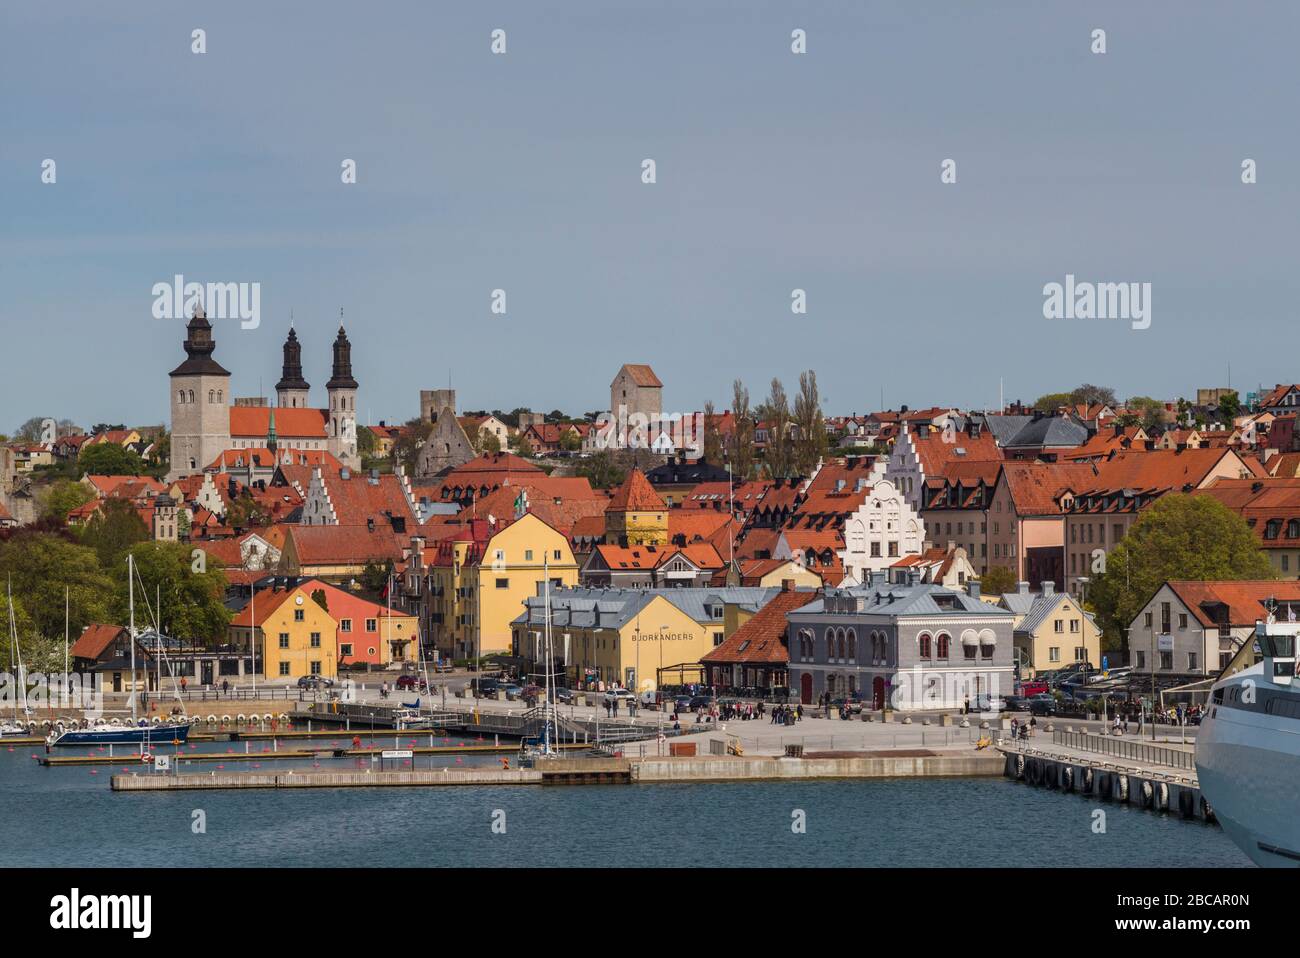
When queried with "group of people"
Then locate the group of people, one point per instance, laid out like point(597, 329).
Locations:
point(786, 714)
point(1023, 730)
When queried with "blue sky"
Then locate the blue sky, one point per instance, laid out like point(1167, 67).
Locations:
point(522, 172)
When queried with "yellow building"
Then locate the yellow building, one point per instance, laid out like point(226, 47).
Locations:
point(292, 635)
point(1051, 630)
point(636, 514)
point(614, 636)
point(481, 576)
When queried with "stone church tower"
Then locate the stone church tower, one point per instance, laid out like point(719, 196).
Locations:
point(342, 390)
point(292, 390)
point(200, 390)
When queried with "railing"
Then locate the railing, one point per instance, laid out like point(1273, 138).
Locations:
point(1142, 752)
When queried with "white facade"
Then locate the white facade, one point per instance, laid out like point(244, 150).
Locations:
point(884, 529)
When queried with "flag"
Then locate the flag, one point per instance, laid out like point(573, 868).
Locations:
point(521, 503)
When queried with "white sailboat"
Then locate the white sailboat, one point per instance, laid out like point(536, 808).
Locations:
point(19, 725)
point(138, 731)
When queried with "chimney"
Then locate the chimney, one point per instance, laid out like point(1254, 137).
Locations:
point(1022, 588)
point(1049, 587)
point(973, 588)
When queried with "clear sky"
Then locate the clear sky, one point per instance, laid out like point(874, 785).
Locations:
point(523, 172)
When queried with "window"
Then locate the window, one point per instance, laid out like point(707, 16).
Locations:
point(1191, 661)
point(1058, 626)
point(717, 638)
point(1167, 661)
point(1074, 626)
point(315, 667)
point(1146, 620)
point(1054, 654)
point(503, 583)
point(556, 555)
point(943, 642)
point(284, 668)
point(315, 640)
point(298, 615)
point(284, 640)
point(1141, 660)
point(345, 625)
point(1182, 620)
point(1164, 617)
point(372, 625)
point(345, 649)
point(923, 645)
point(528, 555)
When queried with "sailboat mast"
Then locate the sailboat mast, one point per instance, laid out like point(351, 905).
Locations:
point(67, 606)
point(130, 585)
point(550, 657)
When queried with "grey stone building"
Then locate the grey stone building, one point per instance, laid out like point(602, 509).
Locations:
point(912, 646)
point(636, 390)
point(447, 445)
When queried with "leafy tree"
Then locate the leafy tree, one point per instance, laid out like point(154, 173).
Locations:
point(712, 439)
point(114, 531)
point(1229, 406)
point(1050, 402)
point(318, 596)
point(601, 469)
point(486, 441)
point(109, 459)
point(365, 443)
point(998, 580)
point(1087, 394)
point(740, 449)
point(40, 565)
point(1177, 537)
point(776, 411)
point(30, 431)
point(192, 605)
point(570, 441)
point(409, 440)
point(62, 497)
point(810, 444)
point(523, 447)
point(245, 512)
point(374, 577)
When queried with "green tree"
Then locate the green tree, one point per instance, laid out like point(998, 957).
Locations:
point(1229, 406)
point(1177, 537)
point(62, 497)
point(811, 441)
point(114, 531)
point(318, 596)
point(374, 577)
point(409, 440)
point(191, 603)
point(1087, 394)
point(570, 441)
point(1051, 402)
point(740, 450)
point(602, 469)
point(997, 580)
point(30, 431)
point(523, 447)
point(40, 565)
point(109, 459)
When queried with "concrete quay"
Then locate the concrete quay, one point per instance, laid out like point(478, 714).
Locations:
point(329, 779)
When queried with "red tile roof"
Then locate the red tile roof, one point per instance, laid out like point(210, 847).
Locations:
point(636, 495)
point(1244, 598)
point(642, 375)
point(94, 639)
point(763, 638)
point(1035, 487)
point(254, 422)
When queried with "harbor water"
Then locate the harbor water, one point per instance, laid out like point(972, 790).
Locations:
point(69, 817)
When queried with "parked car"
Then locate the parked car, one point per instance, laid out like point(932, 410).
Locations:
point(700, 702)
point(531, 694)
point(486, 687)
point(315, 682)
point(512, 691)
point(682, 703)
point(984, 702)
point(1042, 705)
point(1015, 703)
point(405, 683)
point(622, 696)
point(566, 696)
point(1030, 689)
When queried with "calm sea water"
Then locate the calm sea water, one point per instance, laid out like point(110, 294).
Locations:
point(69, 817)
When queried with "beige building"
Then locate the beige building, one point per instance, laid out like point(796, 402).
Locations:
point(1051, 630)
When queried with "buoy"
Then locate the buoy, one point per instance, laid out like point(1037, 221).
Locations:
point(1162, 797)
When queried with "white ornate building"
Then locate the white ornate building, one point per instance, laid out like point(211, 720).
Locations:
point(884, 529)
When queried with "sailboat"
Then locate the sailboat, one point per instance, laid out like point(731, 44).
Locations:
point(138, 731)
point(543, 746)
point(17, 726)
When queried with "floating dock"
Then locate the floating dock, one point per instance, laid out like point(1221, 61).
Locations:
point(1125, 772)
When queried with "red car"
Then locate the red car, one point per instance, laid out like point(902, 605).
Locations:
point(407, 682)
point(1030, 689)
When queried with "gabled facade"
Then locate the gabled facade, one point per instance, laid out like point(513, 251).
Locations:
point(884, 529)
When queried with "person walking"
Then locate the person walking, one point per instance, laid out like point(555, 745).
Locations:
point(225, 687)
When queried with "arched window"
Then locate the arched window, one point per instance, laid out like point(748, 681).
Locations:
point(853, 645)
point(943, 641)
point(220, 395)
point(212, 395)
point(182, 395)
point(923, 645)
point(839, 644)
point(191, 395)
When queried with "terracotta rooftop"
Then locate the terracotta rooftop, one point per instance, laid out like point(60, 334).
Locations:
point(636, 495)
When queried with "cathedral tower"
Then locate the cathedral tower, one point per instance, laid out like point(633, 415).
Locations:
point(200, 417)
point(292, 390)
point(342, 390)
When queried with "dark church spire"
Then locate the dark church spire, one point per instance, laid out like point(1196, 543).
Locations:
point(199, 345)
point(342, 377)
point(291, 374)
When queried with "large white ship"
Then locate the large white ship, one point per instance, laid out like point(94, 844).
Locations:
point(1248, 751)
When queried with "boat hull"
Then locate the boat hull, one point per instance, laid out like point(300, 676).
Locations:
point(141, 735)
point(1248, 766)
